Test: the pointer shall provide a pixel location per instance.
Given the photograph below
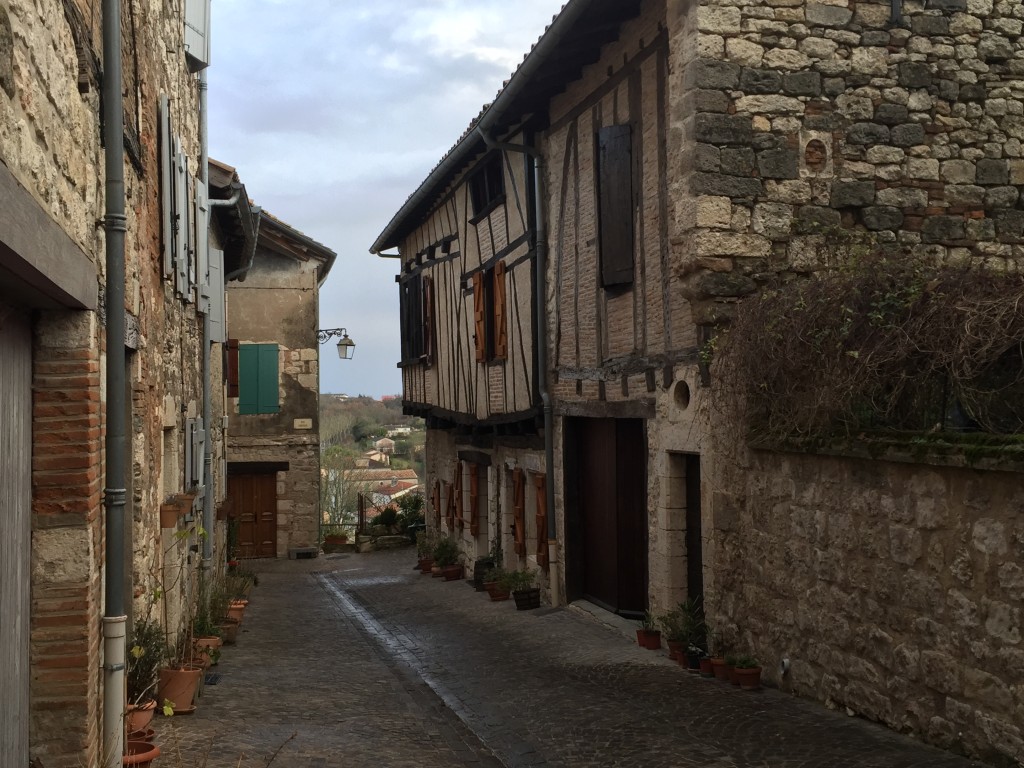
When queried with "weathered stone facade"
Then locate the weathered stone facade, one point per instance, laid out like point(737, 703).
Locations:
point(277, 304)
point(892, 587)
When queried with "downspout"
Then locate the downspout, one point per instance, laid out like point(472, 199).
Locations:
point(114, 225)
point(204, 170)
point(541, 340)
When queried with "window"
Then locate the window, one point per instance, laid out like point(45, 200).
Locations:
point(490, 325)
point(615, 204)
point(487, 187)
point(416, 306)
point(257, 379)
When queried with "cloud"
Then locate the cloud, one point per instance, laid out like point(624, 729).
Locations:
point(334, 111)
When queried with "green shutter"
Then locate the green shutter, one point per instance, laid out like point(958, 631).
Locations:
point(267, 401)
point(248, 378)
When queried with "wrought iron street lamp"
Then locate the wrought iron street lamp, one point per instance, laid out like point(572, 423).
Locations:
point(346, 347)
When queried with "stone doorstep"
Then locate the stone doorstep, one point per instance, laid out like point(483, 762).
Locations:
point(302, 553)
point(612, 620)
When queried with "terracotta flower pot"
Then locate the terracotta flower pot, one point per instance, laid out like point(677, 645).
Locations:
point(230, 630)
point(139, 754)
point(498, 594)
point(676, 651)
point(649, 639)
point(750, 679)
point(719, 668)
point(706, 669)
point(139, 716)
point(179, 686)
point(147, 734)
point(452, 572)
point(236, 609)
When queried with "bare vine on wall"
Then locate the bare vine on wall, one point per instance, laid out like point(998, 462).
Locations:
point(878, 340)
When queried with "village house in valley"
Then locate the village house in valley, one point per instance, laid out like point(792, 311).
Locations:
point(569, 272)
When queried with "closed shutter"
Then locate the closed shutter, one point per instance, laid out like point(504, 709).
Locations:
point(435, 501)
point(428, 319)
point(181, 219)
point(202, 228)
point(231, 367)
point(457, 492)
point(198, 457)
point(480, 317)
point(190, 428)
point(218, 326)
point(268, 400)
point(248, 376)
point(474, 499)
point(500, 328)
point(615, 204)
point(519, 510)
point(540, 481)
point(449, 510)
point(197, 34)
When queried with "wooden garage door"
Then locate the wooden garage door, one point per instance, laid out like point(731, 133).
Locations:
point(15, 530)
point(254, 503)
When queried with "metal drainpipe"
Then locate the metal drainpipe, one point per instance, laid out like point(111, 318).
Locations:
point(540, 339)
point(114, 224)
point(204, 169)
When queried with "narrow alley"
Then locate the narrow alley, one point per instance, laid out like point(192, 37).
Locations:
point(358, 660)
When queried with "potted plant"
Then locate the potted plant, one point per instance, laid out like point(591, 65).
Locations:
point(446, 557)
point(674, 630)
point(520, 584)
point(484, 565)
point(145, 647)
point(494, 583)
point(647, 634)
point(179, 679)
point(139, 754)
point(425, 541)
point(748, 673)
point(691, 614)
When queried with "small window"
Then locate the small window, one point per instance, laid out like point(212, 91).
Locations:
point(487, 187)
point(416, 308)
point(490, 325)
point(257, 379)
point(615, 204)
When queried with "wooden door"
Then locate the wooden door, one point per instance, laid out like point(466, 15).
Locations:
point(694, 538)
point(611, 515)
point(15, 530)
point(254, 504)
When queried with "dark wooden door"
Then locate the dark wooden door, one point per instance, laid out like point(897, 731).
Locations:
point(694, 537)
point(611, 514)
point(254, 503)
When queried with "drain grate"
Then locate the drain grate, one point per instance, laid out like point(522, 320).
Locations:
point(212, 678)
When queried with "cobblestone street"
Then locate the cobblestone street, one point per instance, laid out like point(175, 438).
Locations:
point(358, 660)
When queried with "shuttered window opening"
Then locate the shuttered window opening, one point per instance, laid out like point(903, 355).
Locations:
point(435, 503)
point(258, 379)
point(487, 187)
point(457, 493)
point(449, 512)
point(231, 367)
point(416, 308)
point(540, 484)
point(519, 511)
point(616, 204)
point(490, 326)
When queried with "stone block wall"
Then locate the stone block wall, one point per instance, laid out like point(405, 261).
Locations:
point(804, 118)
point(893, 588)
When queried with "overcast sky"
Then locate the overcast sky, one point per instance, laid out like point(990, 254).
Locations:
point(334, 111)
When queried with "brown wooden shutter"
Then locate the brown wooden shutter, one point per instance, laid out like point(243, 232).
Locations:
point(449, 510)
point(231, 367)
point(500, 327)
point(435, 500)
point(480, 317)
point(519, 510)
point(615, 204)
point(474, 499)
point(540, 482)
point(428, 320)
point(457, 493)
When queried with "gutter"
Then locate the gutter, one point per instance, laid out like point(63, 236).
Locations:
point(114, 225)
point(540, 324)
point(517, 84)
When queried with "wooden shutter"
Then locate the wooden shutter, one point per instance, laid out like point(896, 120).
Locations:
point(435, 501)
point(180, 219)
point(540, 481)
point(202, 228)
point(500, 327)
point(267, 383)
point(480, 317)
point(428, 319)
point(218, 326)
point(457, 492)
point(449, 510)
point(519, 510)
point(474, 499)
point(248, 376)
point(615, 204)
point(231, 366)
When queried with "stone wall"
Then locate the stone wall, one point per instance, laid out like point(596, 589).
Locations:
point(894, 589)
